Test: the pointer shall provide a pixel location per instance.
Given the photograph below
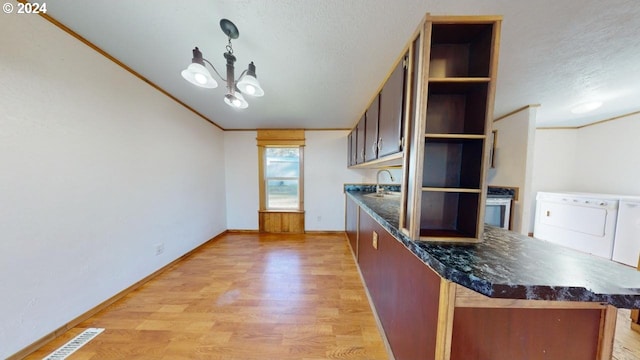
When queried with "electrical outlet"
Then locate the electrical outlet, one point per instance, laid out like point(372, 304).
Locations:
point(159, 249)
point(375, 240)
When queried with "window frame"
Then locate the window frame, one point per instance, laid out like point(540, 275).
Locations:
point(279, 138)
point(264, 179)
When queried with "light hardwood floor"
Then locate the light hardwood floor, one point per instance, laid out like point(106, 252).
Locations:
point(627, 343)
point(243, 296)
point(250, 296)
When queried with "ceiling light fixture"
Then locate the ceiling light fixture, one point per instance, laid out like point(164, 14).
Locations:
point(197, 73)
point(586, 107)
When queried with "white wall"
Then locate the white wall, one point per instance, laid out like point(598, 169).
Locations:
point(513, 159)
point(608, 158)
point(554, 160)
point(97, 168)
point(600, 158)
point(555, 157)
point(325, 173)
point(243, 196)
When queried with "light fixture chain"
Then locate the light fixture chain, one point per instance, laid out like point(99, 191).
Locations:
point(229, 47)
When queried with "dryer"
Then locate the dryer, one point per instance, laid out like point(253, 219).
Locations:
point(581, 221)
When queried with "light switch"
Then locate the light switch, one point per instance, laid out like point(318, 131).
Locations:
point(375, 240)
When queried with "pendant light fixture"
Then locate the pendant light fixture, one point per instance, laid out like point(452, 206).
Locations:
point(197, 73)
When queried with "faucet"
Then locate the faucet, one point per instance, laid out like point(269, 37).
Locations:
point(378, 188)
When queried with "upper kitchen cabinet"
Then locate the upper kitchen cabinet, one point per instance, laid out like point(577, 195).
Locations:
point(390, 123)
point(384, 118)
point(371, 130)
point(447, 164)
point(360, 141)
point(353, 151)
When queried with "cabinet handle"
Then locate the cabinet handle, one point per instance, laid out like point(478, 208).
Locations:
point(362, 155)
point(401, 143)
point(374, 147)
point(379, 144)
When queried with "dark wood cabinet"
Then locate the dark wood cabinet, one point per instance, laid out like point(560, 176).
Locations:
point(352, 213)
point(360, 141)
point(352, 152)
point(531, 333)
point(635, 315)
point(371, 130)
point(425, 316)
point(404, 291)
point(384, 122)
point(391, 118)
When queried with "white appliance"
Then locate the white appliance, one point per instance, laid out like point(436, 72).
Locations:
point(585, 222)
point(626, 248)
point(497, 211)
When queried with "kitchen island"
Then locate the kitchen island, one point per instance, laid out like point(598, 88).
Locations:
point(508, 297)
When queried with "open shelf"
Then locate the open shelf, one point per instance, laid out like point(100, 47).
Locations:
point(454, 136)
point(459, 86)
point(445, 180)
point(460, 50)
point(452, 163)
point(449, 214)
point(456, 108)
point(458, 190)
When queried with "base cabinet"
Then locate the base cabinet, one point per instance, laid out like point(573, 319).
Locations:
point(405, 292)
point(635, 315)
point(352, 213)
point(525, 334)
point(425, 316)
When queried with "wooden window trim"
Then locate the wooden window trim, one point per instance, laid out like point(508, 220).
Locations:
point(280, 138)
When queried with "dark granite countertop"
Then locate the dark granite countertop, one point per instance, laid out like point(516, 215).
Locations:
point(510, 265)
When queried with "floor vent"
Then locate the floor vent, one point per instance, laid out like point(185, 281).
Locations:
point(75, 344)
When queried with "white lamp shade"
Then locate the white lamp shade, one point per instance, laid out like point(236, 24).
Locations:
point(199, 75)
point(236, 101)
point(249, 85)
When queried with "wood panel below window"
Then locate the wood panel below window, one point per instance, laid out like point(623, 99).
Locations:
point(281, 221)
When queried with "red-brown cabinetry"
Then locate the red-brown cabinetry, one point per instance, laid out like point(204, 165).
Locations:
point(404, 291)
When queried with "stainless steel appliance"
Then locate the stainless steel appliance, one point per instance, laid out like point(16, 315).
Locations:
point(498, 211)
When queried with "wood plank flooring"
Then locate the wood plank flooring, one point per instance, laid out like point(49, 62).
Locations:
point(255, 296)
point(626, 345)
point(243, 296)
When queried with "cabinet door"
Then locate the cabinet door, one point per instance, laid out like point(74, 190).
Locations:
point(371, 132)
point(351, 225)
point(368, 257)
point(404, 290)
point(360, 141)
point(352, 151)
point(408, 307)
point(391, 112)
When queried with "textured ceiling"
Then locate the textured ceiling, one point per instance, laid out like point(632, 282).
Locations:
point(321, 61)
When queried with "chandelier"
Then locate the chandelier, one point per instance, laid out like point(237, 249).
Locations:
point(197, 74)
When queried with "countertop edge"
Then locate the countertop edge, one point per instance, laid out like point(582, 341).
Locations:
point(479, 285)
point(488, 288)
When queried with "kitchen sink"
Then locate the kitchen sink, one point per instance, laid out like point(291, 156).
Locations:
point(387, 194)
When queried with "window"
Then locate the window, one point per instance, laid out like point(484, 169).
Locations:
point(281, 164)
point(282, 178)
